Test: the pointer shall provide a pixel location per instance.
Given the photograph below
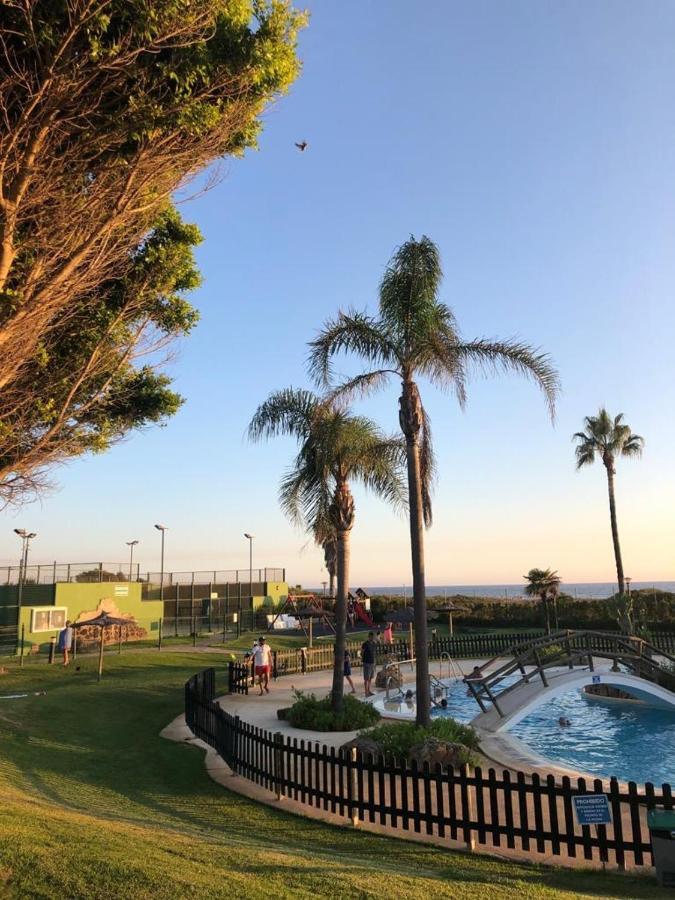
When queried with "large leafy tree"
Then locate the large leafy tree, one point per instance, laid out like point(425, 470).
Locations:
point(336, 449)
point(545, 584)
point(607, 438)
point(414, 337)
point(107, 107)
point(97, 374)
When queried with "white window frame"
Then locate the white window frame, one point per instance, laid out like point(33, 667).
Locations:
point(50, 610)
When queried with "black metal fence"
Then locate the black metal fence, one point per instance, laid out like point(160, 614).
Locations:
point(493, 809)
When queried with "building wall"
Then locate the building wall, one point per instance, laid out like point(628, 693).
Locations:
point(80, 598)
point(276, 593)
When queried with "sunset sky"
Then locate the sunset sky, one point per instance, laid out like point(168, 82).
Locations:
point(534, 142)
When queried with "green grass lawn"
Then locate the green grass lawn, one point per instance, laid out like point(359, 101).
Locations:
point(280, 641)
point(93, 804)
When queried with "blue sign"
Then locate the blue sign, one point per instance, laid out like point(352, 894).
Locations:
point(596, 679)
point(592, 809)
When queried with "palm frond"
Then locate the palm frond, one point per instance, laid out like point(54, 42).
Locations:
point(288, 412)
point(514, 356)
point(360, 386)
point(427, 467)
point(409, 288)
point(351, 332)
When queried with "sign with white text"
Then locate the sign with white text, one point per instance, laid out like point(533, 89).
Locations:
point(592, 809)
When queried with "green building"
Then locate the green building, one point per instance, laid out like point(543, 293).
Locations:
point(178, 603)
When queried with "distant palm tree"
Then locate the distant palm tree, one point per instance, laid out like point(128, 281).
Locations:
point(416, 336)
point(336, 448)
point(545, 584)
point(607, 438)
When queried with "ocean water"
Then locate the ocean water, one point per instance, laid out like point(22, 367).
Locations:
point(593, 590)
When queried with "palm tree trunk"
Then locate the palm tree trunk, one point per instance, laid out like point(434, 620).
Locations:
point(547, 617)
point(615, 529)
point(331, 584)
point(410, 419)
point(343, 553)
point(419, 587)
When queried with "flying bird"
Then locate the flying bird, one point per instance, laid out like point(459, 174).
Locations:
point(302, 146)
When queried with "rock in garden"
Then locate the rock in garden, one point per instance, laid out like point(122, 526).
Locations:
point(436, 752)
point(364, 745)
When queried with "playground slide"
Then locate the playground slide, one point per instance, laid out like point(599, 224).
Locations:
point(363, 615)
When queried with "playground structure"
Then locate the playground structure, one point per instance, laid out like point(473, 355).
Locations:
point(305, 607)
point(357, 603)
point(560, 662)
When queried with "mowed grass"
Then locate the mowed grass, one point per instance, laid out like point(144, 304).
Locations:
point(94, 804)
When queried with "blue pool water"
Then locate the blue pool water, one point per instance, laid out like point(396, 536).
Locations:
point(633, 742)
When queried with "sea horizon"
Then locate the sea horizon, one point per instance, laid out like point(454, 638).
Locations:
point(597, 590)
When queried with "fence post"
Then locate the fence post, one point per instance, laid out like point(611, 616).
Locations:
point(469, 811)
point(235, 746)
point(74, 643)
point(194, 631)
point(278, 764)
point(353, 789)
point(52, 648)
point(21, 651)
point(159, 636)
point(119, 641)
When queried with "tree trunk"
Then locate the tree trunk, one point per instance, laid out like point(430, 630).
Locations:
point(331, 584)
point(410, 418)
point(342, 516)
point(615, 528)
point(423, 691)
point(547, 617)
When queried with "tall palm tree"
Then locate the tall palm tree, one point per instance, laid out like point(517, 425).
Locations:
point(606, 438)
point(336, 448)
point(545, 584)
point(415, 336)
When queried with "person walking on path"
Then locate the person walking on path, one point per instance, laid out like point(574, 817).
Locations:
point(368, 660)
point(262, 660)
point(66, 642)
point(348, 671)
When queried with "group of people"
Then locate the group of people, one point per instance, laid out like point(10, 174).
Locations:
point(261, 657)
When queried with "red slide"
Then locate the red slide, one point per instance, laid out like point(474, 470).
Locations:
point(360, 611)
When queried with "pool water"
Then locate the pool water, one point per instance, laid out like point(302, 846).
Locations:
point(632, 741)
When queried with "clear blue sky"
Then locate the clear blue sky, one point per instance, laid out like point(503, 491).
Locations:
point(535, 143)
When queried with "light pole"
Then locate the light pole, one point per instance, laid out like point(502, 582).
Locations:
point(628, 581)
point(161, 528)
point(324, 583)
point(26, 538)
point(249, 538)
point(131, 545)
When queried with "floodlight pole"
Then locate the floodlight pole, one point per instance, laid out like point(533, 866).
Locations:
point(131, 545)
point(26, 538)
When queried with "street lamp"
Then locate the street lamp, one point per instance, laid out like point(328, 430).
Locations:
point(249, 538)
point(628, 581)
point(131, 545)
point(26, 538)
point(162, 528)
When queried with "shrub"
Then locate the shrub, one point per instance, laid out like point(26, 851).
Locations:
point(310, 712)
point(396, 738)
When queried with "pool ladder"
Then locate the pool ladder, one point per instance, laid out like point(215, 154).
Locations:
point(454, 669)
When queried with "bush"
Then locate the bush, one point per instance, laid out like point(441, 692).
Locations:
point(310, 712)
point(396, 738)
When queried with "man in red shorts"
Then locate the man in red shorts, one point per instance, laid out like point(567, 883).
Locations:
point(262, 660)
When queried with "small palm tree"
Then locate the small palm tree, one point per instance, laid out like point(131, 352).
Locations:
point(607, 438)
point(335, 449)
point(415, 336)
point(545, 584)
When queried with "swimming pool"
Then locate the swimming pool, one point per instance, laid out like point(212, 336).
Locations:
point(633, 741)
